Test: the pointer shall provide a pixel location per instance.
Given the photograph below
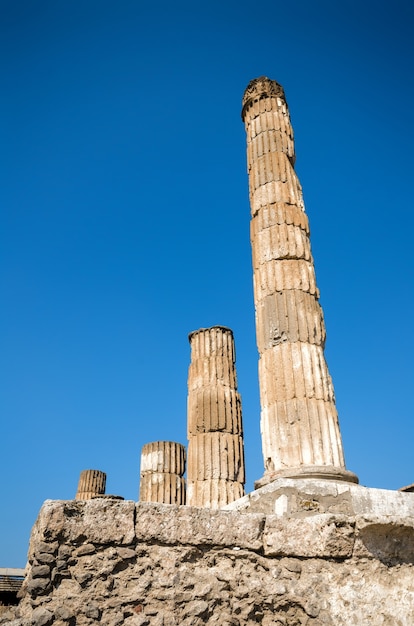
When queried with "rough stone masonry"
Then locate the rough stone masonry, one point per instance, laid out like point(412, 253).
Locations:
point(143, 564)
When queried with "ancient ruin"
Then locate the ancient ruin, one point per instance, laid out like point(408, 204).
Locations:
point(92, 483)
point(309, 546)
point(215, 473)
point(121, 563)
point(299, 422)
point(162, 473)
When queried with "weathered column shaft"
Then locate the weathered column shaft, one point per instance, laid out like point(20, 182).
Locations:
point(215, 473)
point(299, 423)
point(162, 470)
point(91, 483)
point(216, 455)
point(214, 493)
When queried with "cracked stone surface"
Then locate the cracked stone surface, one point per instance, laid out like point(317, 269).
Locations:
point(170, 565)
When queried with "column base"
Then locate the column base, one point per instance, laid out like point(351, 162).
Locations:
point(326, 472)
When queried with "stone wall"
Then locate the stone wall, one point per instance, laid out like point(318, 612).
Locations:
point(118, 562)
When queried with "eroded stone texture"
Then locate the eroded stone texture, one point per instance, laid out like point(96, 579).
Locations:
point(301, 497)
point(215, 474)
point(91, 483)
point(162, 470)
point(189, 566)
point(299, 423)
point(200, 527)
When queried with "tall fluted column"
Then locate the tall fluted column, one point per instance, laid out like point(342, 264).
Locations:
point(215, 470)
point(162, 470)
point(92, 483)
point(299, 422)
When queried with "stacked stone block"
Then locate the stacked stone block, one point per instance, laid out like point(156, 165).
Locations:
point(162, 471)
point(92, 483)
point(299, 422)
point(121, 563)
point(215, 473)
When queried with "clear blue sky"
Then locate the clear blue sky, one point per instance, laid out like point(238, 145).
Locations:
point(125, 225)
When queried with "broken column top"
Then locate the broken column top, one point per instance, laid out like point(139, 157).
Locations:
point(203, 330)
point(259, 88)
point(216, 341)
point(92, 483)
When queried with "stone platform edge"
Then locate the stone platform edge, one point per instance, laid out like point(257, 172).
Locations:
point(103, 522)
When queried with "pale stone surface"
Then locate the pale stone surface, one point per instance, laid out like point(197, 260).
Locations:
point(301, 497)
point(71, 520)
point(189, 566)
point(163, 488)
point(290, 313)
point(163, 457)
point(162, 469)
point(215, 473)
point(299, 422)
point(317, 536)
point(193, 526)
point(389, 540)
point(214, 493)
point(216, 455)
point(91, 483)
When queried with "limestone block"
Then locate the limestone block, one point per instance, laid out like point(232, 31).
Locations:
point(214, 493)
point(193, 526)
point(382, 502)
point(303, 496)
point(320, 536)
point(91, 483)
point(390, 540)
point(72, 521)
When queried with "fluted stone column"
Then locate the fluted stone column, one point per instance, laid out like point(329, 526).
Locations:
point(215, 469)
point(162, 470)
point(92, 483)
point(299, 422)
